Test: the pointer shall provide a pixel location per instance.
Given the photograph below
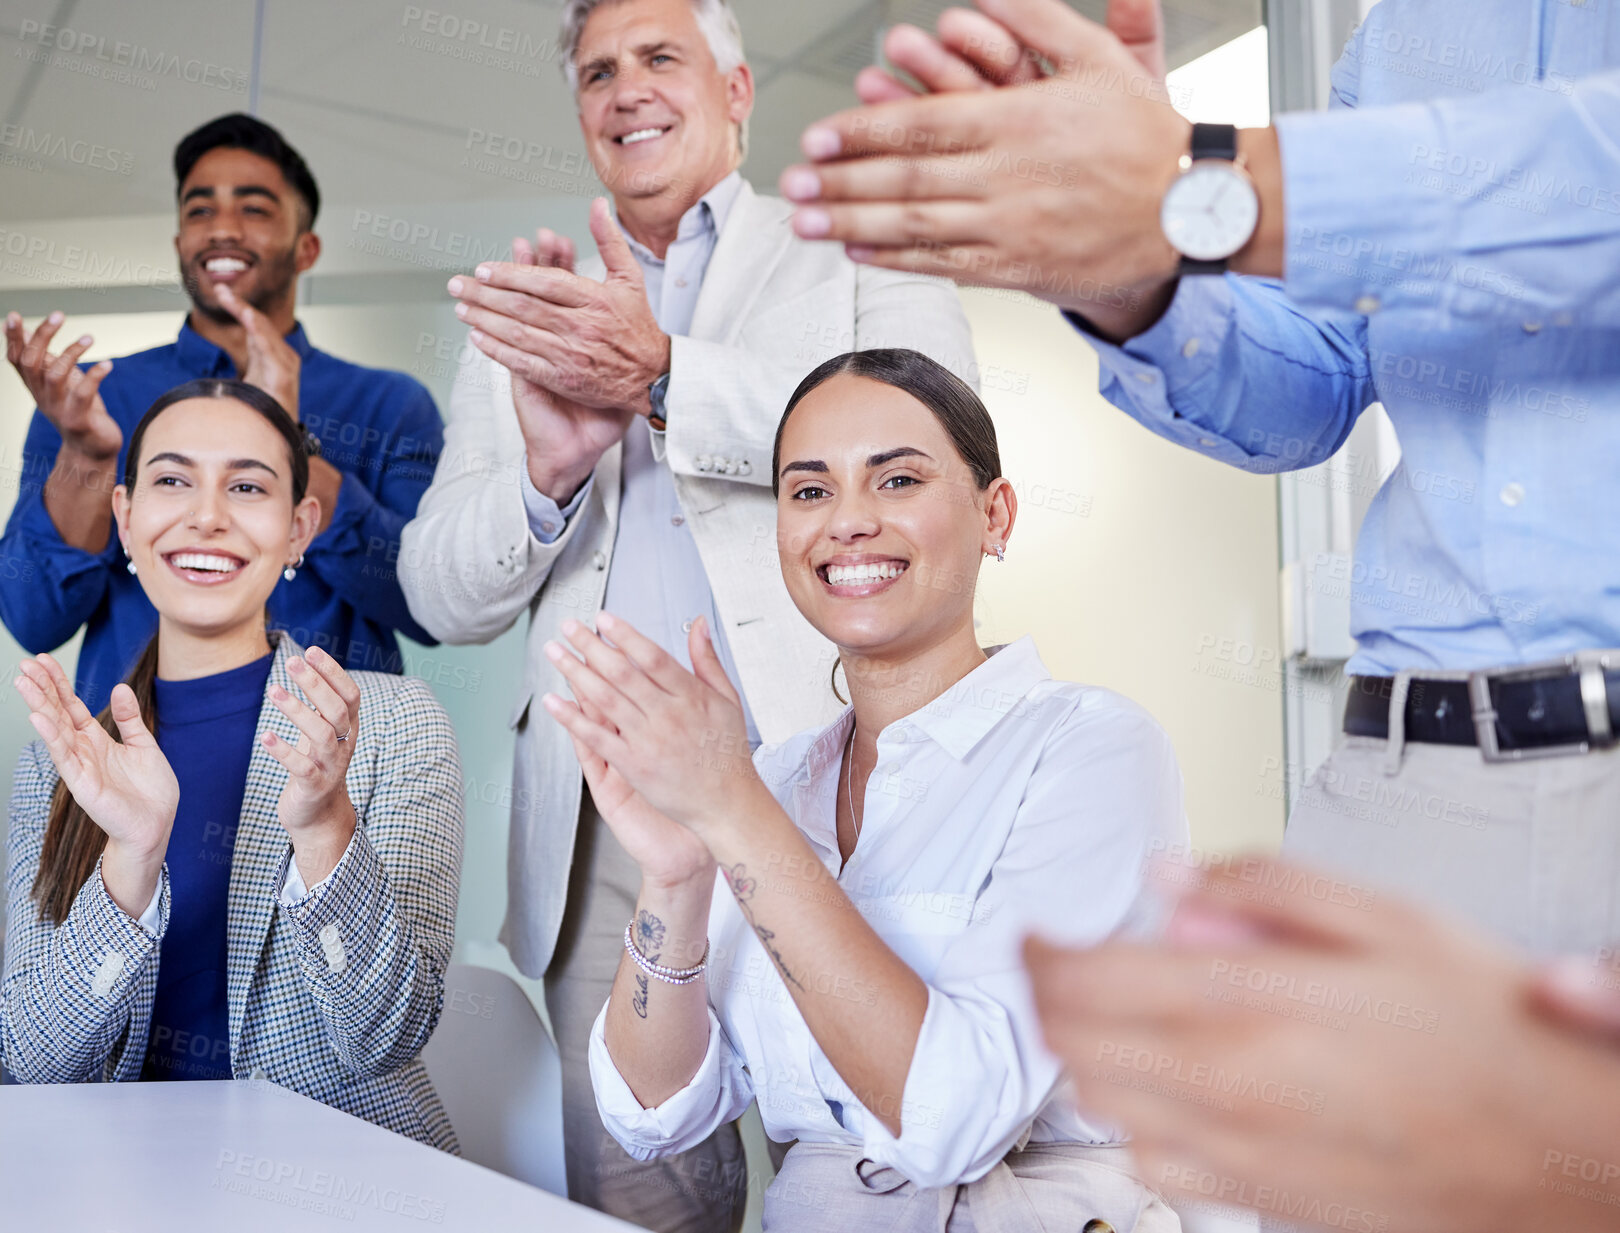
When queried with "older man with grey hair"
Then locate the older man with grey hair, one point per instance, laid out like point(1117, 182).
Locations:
point(609, 445)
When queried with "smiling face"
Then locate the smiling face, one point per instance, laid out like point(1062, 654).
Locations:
point(211, 522)
point(659, 117)
point(241, 223)
point(880, 524)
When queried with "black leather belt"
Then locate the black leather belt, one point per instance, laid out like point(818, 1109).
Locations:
point(1561, 706)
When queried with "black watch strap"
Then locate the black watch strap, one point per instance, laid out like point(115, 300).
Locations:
point(1218, 141)
point(1214, 141)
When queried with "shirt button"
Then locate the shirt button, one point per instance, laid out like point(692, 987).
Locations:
point(1190, 347)
point(548, 527)
point(1532, 327)
point(680, 282)
point(677, 520)
point(1512, 494)
point(1207, 442)
point(1367, 305)
point(686, 626)
point(1146, 378)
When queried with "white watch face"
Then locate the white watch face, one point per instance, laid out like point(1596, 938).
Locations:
point(1211, 211)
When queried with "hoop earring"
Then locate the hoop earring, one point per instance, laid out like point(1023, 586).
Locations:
point(833, 680)
point(291, 571)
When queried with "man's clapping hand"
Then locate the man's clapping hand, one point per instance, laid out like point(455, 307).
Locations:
point(594, 342)
point(70, 398)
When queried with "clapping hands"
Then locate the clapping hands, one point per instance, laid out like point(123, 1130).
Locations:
point(126, 786)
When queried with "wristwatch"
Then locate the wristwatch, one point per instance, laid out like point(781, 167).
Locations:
point(1211, 210)
point(657, 393)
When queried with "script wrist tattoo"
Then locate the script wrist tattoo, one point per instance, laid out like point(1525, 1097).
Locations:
point(649, 940)
point(742, 889)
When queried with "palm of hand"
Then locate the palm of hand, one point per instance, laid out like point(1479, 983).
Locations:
point(129, 791)
point(662, 847)
point(560, 421)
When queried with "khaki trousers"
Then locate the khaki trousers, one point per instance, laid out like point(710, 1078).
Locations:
point(1041, 1188)
point(703, 1190)
point(1528, 851)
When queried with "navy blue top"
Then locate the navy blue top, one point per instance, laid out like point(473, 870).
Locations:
point(205, 729)
point(379, 428)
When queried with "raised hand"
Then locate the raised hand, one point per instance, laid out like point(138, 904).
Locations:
point(668, 854)
point(314, 808)
point(272, 364)
point(70, 398)
point(677, 738)
point(597, 343)
point(126, 786)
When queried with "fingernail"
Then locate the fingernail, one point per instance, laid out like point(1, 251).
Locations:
point(482, 273)
point(295, 664)
point(801, 184)
point(477, 336)
point(553, 651)
point(860, 252)
point(454, 286)
point(571, 626)
point(55, 318)
point(820, 143)
point(812, 224)
point(606, 619)
point(85, 340)
point(461, 310)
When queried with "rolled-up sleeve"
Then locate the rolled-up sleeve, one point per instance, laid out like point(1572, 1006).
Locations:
point(718, 1093)
point(1070, 871)
point(1500, 206)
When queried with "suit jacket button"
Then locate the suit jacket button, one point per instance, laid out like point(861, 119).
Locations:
point(745, 467)
point(599, 560)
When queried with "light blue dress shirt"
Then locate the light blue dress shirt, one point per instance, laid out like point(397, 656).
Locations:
point(1475, 293)
point(657, 581)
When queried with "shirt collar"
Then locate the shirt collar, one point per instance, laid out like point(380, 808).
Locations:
point(960, 717)
point(709, 214)
point(966, 713)
point(203, 358)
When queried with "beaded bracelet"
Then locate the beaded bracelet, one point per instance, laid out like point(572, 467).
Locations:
point(670, 976)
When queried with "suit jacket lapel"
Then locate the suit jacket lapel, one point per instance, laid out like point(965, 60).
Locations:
point(753, 240)
point(258, 861)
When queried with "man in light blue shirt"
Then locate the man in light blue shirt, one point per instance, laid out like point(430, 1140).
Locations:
point(1451, 248)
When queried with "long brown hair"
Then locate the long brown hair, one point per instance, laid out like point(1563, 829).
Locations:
point(73, 843)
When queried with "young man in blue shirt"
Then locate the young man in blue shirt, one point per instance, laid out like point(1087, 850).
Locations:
point(247, 207)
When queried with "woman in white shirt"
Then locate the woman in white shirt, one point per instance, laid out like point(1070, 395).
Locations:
point(861, 978)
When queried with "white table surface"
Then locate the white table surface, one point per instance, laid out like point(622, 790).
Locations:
point(239, 1156)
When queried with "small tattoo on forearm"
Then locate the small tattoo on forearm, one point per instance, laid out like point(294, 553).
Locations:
point(650, 942)
point(743, 888)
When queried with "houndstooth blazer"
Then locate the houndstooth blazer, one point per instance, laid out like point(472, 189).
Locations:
point(333, 996)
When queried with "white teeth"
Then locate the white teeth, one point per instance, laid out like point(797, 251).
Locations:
point(226, 265)
point(206, 561)
point(853, 575)
point(640, 135)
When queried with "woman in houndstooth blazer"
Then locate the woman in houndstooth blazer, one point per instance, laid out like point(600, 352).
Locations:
point(346, 856)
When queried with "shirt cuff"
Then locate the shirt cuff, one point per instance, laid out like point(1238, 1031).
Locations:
point(646, 1133)
point(546, 521)
point(152, 918)
point(292, 886)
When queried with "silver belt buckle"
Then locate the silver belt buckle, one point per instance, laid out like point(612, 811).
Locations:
point(1588, 665)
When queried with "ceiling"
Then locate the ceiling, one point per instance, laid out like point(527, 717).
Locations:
point(389, 102)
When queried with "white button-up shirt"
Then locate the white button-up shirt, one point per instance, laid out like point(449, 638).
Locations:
point(1010, 804)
